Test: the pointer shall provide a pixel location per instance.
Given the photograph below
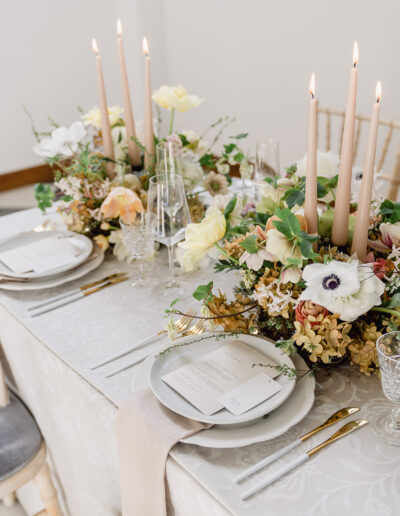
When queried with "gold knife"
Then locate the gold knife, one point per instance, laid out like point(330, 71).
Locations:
point(75, 291)
point(78, 295)
point(334, 418)
point(345, 430)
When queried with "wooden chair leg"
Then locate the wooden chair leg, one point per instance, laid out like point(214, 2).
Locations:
point(9, 500)
point(47, 491)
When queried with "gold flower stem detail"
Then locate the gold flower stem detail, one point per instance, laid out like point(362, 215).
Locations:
point(171, 121)
point(178, 312)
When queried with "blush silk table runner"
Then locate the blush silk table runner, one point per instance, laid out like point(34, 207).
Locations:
point(48, 358)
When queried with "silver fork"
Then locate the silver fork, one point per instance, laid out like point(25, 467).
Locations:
point(196, 329)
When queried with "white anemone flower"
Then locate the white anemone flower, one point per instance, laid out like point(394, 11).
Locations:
point(348, 289)
point(63, 141)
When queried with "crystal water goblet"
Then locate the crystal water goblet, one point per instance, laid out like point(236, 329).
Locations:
point(387, 424)
point(139, 239)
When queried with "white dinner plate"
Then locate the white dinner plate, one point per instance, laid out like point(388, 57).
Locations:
point(291, 412)
point(174, 359)
point(82, 243)
point(55, 281)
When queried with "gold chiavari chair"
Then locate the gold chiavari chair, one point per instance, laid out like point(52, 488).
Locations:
point(326, 119)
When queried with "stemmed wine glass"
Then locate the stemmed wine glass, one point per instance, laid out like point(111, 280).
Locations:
point(386, 424)
point(267, 159)
point(139, 239)
point(167, 201)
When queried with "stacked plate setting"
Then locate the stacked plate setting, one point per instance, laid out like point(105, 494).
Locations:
point(85, 259)
point(266, 421)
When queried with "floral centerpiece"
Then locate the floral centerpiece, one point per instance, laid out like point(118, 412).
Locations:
point(91, 202)
point(301, 290)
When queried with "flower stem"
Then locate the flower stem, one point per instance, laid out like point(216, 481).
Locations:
point(235, 260)
point(171, 121)
point(386, 310)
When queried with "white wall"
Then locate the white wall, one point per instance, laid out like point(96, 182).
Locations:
point(254, 58)
point(248, 58)
point(46, 63)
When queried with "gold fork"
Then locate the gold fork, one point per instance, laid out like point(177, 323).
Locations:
point(196, 329)
point(182, 323)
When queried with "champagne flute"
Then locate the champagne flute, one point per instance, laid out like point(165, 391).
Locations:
point(167, 201)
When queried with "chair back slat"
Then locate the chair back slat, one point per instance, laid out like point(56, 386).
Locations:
point(388, 139)
point(328, 132)
point(391, 126)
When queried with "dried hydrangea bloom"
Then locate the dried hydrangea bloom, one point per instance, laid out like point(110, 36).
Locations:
point(363, 349)
point(326, 340)
point(241, 322)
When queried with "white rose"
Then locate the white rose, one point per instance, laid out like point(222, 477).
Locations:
point(327, 165)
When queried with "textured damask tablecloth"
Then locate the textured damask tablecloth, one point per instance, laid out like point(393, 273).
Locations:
point(48, 359)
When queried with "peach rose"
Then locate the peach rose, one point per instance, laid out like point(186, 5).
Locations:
point(306, 308)
point(121, 202)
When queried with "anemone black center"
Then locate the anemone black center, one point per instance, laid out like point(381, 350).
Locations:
point(331, 282)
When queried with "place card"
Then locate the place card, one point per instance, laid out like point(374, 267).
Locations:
point(249, 394)
point(44, 255)
point(203, 381)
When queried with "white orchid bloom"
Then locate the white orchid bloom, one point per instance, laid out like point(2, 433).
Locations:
point(63, 141)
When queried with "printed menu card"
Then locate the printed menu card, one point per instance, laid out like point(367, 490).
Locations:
point(41, 256)
point(220, 374)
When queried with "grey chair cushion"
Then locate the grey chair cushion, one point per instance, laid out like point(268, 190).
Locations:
point(20, 437)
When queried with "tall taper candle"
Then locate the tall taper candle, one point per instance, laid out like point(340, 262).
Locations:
point(148, 110)
point(133, 149)
point(360, 238)
point(343, 192)
point(105, 122)
point(310, 204)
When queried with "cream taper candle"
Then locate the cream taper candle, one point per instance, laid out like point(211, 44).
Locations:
point(148, 110)
point(310, 204)
point(343, 192)
point(105, 122)
point(133, 149)
point(360, 238)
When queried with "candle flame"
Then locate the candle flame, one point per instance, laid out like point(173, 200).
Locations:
point(312, 85)
point(355, 54)
point(95, 47)
point(378, 91)
point(145, 47)
point(119, 28)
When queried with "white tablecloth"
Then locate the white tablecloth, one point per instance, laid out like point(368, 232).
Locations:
point(49, 357)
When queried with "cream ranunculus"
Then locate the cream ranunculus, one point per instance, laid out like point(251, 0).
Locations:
point(200, 238)
point(327, 165)
point(279, 246)
point(175, 97)
point(196, 143)
point(93, 117)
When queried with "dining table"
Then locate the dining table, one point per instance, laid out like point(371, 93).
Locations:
point(47, 360)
